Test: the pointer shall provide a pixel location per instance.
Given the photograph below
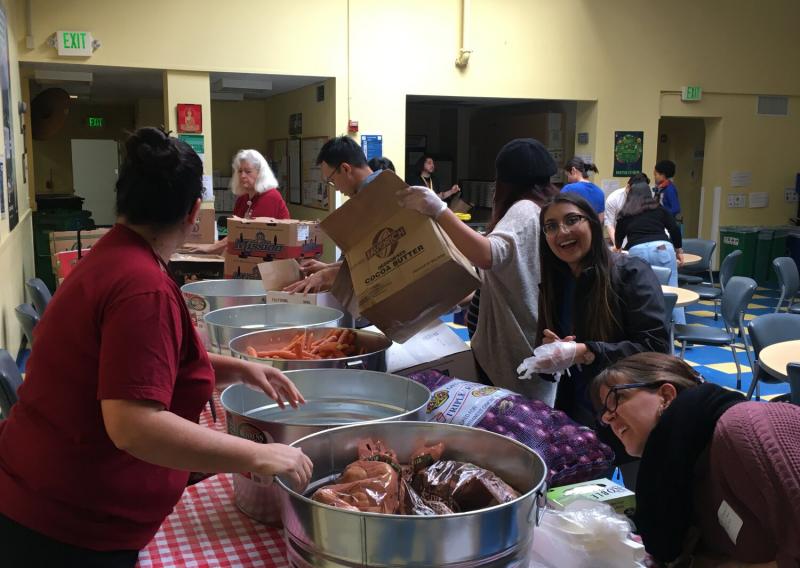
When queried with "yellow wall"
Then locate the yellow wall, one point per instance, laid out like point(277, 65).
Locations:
point(149, 112)
point(16, 247)
point(237, 125)
point(186, 87)
point(54, 156)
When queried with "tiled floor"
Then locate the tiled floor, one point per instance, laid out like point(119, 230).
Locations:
point(714, 363)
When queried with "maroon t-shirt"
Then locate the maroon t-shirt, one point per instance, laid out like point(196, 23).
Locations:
point(117, 328)
point(267, 204)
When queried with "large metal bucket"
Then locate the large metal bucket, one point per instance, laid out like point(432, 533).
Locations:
point(229, 323)
point(209, 295)
point(374, 359)
point(333, 397)
point(323, 536)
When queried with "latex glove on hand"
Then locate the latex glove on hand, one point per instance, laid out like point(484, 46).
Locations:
point(422, 200)
point(550, 359)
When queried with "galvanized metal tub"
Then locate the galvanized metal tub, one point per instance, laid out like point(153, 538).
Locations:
point(229, 323)
point(209, 295)
point(334, 397)
point(323, 536)
point(374, 359)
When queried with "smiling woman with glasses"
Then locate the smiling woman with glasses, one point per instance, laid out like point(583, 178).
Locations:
point(719, 476)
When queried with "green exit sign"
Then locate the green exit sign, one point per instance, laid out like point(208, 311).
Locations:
point(96, 122)
point(74, 43)
point(691, 93)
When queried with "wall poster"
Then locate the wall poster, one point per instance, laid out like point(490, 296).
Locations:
point(628, 149)
point(5, 87)
point(316, 193)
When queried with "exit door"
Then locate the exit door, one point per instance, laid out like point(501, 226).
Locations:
point(95, 165)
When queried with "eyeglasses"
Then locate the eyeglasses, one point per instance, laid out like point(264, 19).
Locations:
point(551, 227)
point(611, 402)
point(329, 180)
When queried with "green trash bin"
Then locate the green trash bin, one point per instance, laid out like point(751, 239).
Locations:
point(744, 239)
point(44, 223)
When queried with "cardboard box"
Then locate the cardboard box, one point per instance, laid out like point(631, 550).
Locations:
point(435, 347)
point(278, 274)
point(458, 205)
point(61, 241)
point(602, 490)
point(204, 230)
point(401, 268)
point(274, 238)
point(242, 268)
point(186, 268)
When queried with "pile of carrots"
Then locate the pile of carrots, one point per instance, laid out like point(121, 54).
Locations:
point(333, 345)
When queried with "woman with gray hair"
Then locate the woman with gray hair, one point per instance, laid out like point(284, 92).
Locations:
point(257, 193)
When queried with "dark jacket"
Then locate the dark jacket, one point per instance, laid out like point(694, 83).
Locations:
point(641, 326)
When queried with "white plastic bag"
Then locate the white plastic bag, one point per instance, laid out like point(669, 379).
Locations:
point(551, 359)
point(586, 534)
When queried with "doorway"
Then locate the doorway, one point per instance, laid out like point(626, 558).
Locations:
point(683, 141)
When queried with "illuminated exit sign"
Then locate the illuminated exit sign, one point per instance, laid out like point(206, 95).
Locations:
point(691, 94)
point(96, 122)
point(71, 43)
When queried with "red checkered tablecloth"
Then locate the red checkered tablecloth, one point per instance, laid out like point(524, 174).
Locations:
point(206, 528)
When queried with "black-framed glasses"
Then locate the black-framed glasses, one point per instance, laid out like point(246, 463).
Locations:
point(551, 227)
point(611, 402)
point(329, 180)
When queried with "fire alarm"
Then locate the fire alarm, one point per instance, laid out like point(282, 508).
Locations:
point(352, 126)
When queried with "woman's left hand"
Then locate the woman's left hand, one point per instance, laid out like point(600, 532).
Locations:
point(275, 384)
point(550, 337)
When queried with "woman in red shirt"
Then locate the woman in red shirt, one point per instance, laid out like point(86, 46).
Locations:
point(257, 193)
point(97, 451)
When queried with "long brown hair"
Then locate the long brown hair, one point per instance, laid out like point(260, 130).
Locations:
point(507, 194)
point(646, 368)
point(601, 321)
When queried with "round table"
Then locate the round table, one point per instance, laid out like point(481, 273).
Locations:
point(689, 258)
point(774, 358)
point(685, 297)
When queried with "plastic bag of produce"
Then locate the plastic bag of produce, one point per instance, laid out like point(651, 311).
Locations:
point(572, 452)
point(461, 486)
point(369, 486)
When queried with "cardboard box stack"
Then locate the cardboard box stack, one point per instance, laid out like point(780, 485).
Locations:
point(251, 241)
point(402, 271)
point(64, 249)
point(204, 230)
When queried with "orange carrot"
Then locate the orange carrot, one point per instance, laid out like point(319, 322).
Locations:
point(278, 354)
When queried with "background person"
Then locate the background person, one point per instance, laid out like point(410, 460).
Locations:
point(719, 476)
point(616, 200)
point(577, 172)
point(380, 163)
point(665, 191)
point(508, 257)
point(257, 193)
point(98, 449)
point(424, 176)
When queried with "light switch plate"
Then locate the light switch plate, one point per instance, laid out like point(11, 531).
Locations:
point(736, 201)
point(790, 195)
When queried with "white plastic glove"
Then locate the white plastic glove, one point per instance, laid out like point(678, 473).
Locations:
point(421, 199)
point(551, 359)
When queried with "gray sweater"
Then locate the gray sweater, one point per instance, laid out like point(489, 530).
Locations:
point(507, 317)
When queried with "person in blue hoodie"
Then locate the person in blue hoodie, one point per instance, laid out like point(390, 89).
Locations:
point(577, 172)
point(665, 191)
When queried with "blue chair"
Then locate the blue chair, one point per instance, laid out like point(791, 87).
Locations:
point(10, 381)
point(28, 317)
point(726, 270)
point(662, 273)
point(695, 272)
point(789, 281)
point(39, 293)
point(793, 371)
point(735, 298)
point(764, 331)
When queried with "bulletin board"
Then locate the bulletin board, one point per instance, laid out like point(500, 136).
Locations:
point(295, 183)
point(279, 162)
point(315, 192)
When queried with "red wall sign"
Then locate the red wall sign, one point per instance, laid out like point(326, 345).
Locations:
point(190, 118)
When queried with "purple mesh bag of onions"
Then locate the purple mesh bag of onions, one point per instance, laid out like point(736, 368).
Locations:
point(572, 452)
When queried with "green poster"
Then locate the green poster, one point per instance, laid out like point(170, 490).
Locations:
point(628, 148)
point(196, 141)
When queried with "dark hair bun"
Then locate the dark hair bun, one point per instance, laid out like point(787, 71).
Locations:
point(150, 149)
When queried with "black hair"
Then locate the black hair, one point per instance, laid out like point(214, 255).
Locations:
point(583, 167)
point(638, 178)
point(341, 150)
point(666, 168)
point(601, 320)
point(161, 179)
point(421, 163)
point(507, 194)
point(380, 163)
point(640, 199)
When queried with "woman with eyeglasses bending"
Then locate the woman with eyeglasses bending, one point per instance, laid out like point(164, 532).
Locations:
point(719, 477)
point(607, 305)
